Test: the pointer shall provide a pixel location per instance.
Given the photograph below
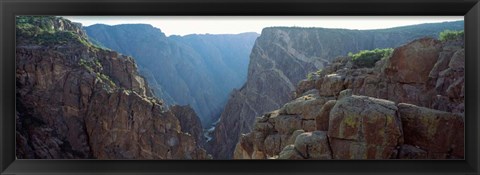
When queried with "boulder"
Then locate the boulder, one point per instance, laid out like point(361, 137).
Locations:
point(313, 145)
point(412, 62)
point(345, 93)
point(304, 86)
point(262, 126)
point(290, 153)
point(307, 106)
point(331, 85)
point(432, 130)
point(273, 145)
point(362, 127)
point(294, 135)
point(322, 119)
point(286, 124)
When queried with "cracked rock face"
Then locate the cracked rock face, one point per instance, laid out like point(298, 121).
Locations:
point(439, 132)
point(412, 63)
point(313, 145)
point(75, 100)
point(189, 122)
point(282, 57)
point(372, 113)
point(364, 128)
point(360, 127)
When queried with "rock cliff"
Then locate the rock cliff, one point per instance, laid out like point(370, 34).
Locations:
point(76, 100)
point(283, 56)
point(410, 105)
point(195, 70)
point(189, 122)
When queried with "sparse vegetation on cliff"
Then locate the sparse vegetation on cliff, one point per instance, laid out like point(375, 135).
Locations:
point(360, 114)
point(41, 30)
point(374, 104)
point(73, 84)
point(311, 75)
point(448, 35)
point(368, 58)
point(94, 66)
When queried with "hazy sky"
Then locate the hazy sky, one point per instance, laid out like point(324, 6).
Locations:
point(183, 25)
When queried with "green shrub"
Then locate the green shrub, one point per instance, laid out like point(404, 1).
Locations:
point(449, 35)
point(40, 23)
point(40, 30)
point(368, 58)
point(94, 66)
point(311, 74)
point(106, 79)
point(91, 66)
point(85, 64)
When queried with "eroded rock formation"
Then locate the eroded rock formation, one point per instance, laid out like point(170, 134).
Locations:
point(76, 100)
point(409, 106)
point(283, 56)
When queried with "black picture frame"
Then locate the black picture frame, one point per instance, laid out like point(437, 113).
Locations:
point(10, 8)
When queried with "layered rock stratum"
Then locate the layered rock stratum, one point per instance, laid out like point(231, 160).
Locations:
point(283, 56)
point(77, 100)
point(410, 105)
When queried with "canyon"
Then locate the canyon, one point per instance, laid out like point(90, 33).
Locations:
point(195, 70)
point(130, 92)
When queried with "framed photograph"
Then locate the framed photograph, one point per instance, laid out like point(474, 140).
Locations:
point(239, 87)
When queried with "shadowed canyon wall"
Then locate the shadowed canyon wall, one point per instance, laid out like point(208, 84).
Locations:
point(195, 70)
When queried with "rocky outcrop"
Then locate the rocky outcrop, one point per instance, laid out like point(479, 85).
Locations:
point(360, 127)
point(282, 57)
point(76, 100)
point(195, 70)
point(430, 83)
point(390, 111)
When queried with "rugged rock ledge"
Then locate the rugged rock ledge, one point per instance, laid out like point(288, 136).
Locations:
point(75, 100)
point(409, 106)
point(283, 56)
